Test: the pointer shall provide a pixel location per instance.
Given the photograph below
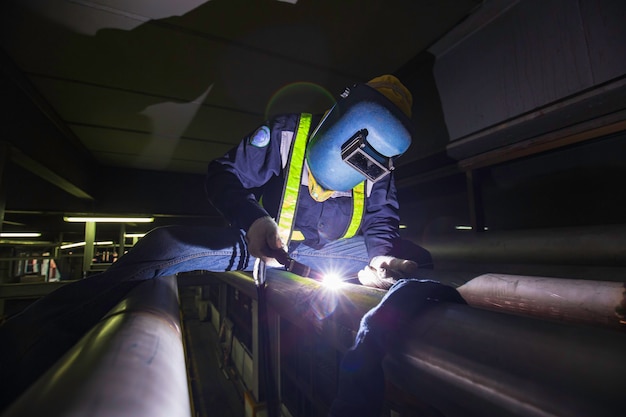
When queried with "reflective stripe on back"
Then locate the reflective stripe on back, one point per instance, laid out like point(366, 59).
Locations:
point(291, 191)
point(293, 177)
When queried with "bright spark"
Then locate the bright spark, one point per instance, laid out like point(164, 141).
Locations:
point(332, 281)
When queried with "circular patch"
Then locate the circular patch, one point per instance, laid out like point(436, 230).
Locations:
point(261, 137)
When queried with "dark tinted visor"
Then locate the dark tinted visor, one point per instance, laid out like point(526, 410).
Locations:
point(360, 155)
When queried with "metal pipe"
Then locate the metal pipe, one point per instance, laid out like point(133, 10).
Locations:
point(467, 361)
point(599, 303)
point(334, 313)
point(470, 362)
point(591, 245)
point(573, 300)
point(130, 364)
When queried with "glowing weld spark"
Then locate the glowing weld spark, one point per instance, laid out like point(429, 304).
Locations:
point(332, 281)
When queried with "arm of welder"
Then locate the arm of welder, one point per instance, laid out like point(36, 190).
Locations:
point(361, 389)
point(233, 179)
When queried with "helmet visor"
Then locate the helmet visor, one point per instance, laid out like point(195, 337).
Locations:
point(360, 155)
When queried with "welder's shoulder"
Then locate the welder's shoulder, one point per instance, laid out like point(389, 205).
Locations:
point(284, 122)
point(271, 132)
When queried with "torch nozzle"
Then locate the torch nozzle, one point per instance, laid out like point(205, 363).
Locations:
point(296, 267)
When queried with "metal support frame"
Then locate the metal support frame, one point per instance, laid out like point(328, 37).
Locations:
point(122, 240)
point(5, 151)
point(256, 383)
point(475, 200)
point(90, 237)
point(26, 291)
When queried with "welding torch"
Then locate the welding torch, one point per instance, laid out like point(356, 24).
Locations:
point(296, 267)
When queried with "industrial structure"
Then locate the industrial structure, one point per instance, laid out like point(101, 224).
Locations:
point(514, 183)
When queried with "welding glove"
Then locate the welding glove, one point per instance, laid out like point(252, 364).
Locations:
point(383, 271)
point(263, 240)
point(361, 388)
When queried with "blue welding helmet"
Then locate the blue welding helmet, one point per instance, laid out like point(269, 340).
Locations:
point(359, 138)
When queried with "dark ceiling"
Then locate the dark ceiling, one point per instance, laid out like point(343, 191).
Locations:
point(117, 106)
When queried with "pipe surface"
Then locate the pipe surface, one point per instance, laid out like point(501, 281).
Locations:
point(334, 313)
point(592, 245)
point(470, 362)
point(130, 364)
point(466, 361)
point(574, 300)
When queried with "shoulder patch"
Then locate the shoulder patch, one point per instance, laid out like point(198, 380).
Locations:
point(261, 137)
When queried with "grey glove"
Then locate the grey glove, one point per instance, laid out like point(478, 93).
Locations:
point(383, 271)
point(264, 241)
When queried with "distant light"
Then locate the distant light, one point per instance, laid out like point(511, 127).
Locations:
point(78, 244)
point(134, 234)
point(20, 234)
point(467, 228)
point(402, 226)
point(109, 219)
point(72, 245)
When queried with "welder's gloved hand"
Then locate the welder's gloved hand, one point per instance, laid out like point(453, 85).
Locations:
point(361, 389)
point(263, 240)
point(383, 271)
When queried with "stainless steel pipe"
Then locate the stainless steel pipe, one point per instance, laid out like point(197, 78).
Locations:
point(470, 362)
point(599, 303)
point(131, 363)
point(467, 361)
point(591, 245)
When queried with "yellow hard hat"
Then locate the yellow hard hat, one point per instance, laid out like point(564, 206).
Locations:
point(394, 90)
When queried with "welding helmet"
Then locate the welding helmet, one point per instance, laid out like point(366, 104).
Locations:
point(361, 135)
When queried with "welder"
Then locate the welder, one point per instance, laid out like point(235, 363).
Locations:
point(328, 194)
point(316, 189)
